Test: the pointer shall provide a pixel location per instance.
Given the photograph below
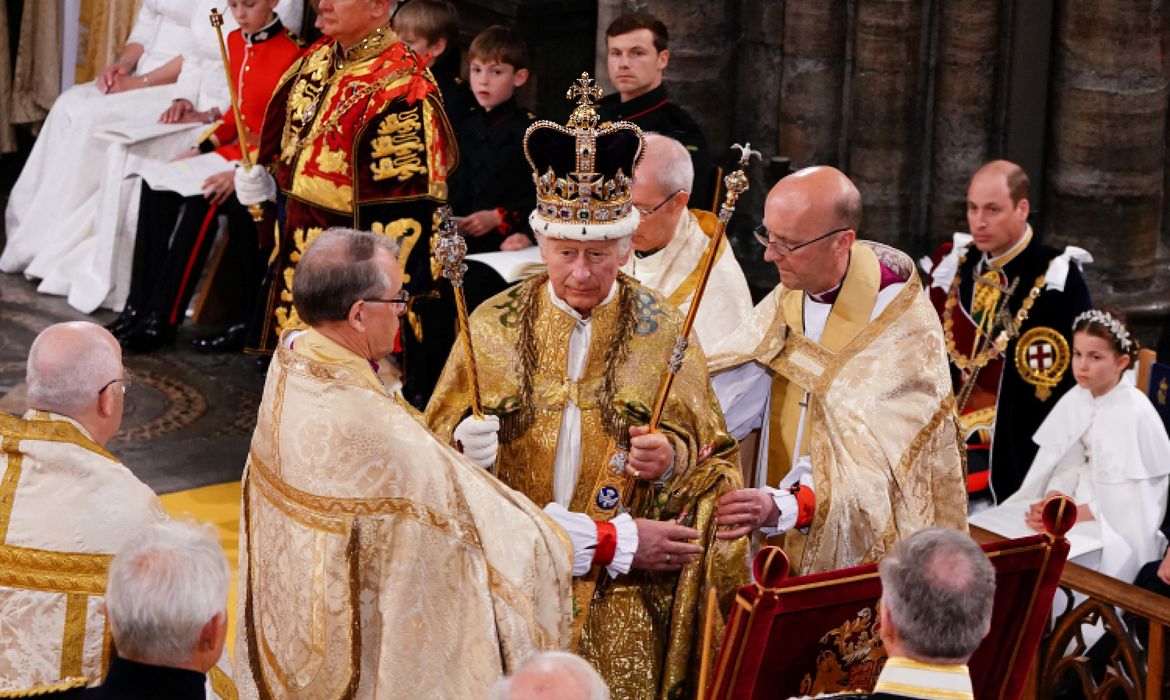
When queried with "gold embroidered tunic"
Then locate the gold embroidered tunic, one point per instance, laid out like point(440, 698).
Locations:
point(375, 561)
point(880, 426)
point(66, 506)
point(641, 629)
point(358, 139)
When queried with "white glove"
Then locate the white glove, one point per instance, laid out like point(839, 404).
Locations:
point(478, 440)
point(254, 186)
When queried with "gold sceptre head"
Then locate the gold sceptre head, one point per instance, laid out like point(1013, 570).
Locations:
point(450, 248)
point(449, 251)
point(736, 182)
point(216, 18)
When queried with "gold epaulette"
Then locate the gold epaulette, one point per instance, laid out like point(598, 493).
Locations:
point(45, 688)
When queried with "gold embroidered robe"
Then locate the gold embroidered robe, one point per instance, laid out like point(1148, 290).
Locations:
point(641, 630)
point(880, 427)
point(66, 506)
point(375, 561)
point(674, 271)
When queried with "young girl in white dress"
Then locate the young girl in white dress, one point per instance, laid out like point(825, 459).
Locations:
point(1104, 446)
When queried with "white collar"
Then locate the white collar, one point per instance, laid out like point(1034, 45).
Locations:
point(573, 313)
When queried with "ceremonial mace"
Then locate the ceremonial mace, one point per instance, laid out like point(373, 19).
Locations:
point(736, 184)
point(256, 210)
point(450, 248)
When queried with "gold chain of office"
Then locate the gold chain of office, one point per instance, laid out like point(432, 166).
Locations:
point(980, 360)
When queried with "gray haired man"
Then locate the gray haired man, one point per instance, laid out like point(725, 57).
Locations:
point(938, 589)
point(552, 675)
point(167, 606)
point(65, 503)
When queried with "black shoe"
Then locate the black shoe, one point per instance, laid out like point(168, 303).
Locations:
point(149, 335)
point(125, 322)
point(231, 340)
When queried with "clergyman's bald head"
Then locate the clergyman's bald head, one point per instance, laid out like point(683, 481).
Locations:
point(68, 365)
point(826, 190)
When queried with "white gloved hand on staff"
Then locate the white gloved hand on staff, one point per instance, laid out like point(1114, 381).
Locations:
point(254, 186)
point(478, 439)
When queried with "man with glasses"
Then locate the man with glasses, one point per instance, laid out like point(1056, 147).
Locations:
point(418, 573)
point(844, 371)
point(671, 241)
point(66, 505)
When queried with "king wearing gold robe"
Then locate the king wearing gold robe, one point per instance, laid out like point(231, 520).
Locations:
point(568, 362)
point(843, 368)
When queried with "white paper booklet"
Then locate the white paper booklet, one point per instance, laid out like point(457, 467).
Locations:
point(137, 130)
point(513, 265)
point(1008, 520)
point(183, 176)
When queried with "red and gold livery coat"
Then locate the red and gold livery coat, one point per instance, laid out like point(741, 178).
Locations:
point(257, 64)
point(355, 138)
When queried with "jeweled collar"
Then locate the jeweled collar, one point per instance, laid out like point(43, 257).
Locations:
point(269, 31)
point(371, 45)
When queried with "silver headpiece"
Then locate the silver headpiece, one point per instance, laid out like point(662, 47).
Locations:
point(1106, 319)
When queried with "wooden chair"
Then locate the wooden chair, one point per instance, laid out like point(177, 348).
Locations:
point(818, 633)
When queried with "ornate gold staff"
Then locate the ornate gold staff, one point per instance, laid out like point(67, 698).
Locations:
point(450, 248)
point(736, 184)
point(256, 210)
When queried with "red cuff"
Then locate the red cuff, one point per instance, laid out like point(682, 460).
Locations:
point(806, 505)
point(505, 228)
point(606, 543)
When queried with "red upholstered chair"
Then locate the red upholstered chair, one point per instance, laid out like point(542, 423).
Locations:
point(818, 633)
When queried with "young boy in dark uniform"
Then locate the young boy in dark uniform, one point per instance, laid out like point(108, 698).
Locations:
point(431, 28)
point(492, 191)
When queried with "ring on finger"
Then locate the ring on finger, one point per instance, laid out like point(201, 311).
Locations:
point(667, 557)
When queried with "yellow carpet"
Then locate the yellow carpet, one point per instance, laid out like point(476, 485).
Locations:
point(220, 506)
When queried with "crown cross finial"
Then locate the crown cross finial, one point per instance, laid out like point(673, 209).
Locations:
point(585, 90)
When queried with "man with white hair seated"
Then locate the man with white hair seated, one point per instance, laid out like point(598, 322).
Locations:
point(66, 505)
point(167, 606)
point(938, 591)
point(671, 241)
point(552, 675)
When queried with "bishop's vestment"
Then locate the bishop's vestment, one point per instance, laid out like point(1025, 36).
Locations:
point(375, 561)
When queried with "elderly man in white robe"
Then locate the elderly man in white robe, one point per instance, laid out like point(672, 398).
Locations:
point(66, 505)
point(671, 240)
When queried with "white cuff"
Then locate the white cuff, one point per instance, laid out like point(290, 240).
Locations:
point(582, 533)
point(801, 473)
point(627, 544)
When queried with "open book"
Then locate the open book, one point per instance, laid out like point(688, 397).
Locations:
point(1007, 519)
point(182, 176)
point(134, 131)
point(512, 265)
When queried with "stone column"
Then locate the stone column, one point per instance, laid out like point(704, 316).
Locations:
point(811, 90)
point(884, 156)
point(964, 102)
point(1107, 163)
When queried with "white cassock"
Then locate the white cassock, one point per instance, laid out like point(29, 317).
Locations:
point(1112, 454)
point(673, 271)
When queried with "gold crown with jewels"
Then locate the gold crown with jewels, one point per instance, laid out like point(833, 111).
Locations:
point(583, 174)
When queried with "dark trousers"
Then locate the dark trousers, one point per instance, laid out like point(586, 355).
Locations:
point(175, 235)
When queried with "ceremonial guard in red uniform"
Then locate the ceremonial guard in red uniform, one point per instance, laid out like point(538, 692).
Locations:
point(357, 138)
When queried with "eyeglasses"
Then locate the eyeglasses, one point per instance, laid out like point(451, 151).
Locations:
point(650, 212)
point(784, 249)
point(127, 380)
point(403, 298)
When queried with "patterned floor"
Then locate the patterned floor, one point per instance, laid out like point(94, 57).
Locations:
point(189, 417)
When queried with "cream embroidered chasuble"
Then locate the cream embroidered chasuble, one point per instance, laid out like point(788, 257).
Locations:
point(66, 506)
point(879, 423)
point(674, 272)
point(375, 561)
